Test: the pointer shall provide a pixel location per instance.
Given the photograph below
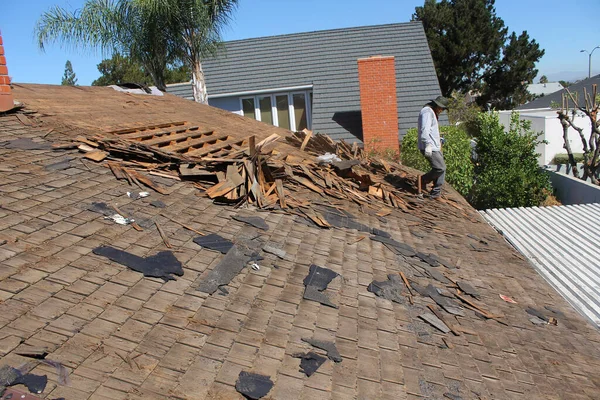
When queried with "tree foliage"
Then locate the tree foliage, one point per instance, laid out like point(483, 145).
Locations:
point(69, 78)
point(154, 33)
point(472, 51)
point(506, 170)
point(544, 79)
point(120, 69)
point(457, 155)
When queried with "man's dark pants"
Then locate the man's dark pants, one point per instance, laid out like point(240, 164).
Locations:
point(437, 173)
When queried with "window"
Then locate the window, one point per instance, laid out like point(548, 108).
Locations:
point(283, 111)
point(266, 111)
point(287, 110)
point(248, 107)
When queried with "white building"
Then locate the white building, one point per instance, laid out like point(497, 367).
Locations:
point(545, 120)
point(539, 89)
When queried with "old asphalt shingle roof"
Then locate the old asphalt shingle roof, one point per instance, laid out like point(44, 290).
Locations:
point(328, 61)
point(123, 336)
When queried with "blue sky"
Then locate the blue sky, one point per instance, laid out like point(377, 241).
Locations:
point(562, 28)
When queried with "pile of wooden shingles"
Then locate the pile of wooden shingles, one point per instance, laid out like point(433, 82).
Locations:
point(237, 171)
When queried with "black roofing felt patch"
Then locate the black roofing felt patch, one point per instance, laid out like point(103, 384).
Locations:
point(392, 289)
point(25, 144)
point(10, 376)
point(256, 222)
point(231, 265)
point(332, 352)
point(253, 386)
point(161, 265)
point(315, 282)
point(214, 242)
point(310, 362)
point(401, 248)
point(101, 208)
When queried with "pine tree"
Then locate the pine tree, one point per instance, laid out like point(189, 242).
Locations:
point(69, 78)
point(473, 51)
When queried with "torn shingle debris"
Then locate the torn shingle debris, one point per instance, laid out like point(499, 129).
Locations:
point(392, 289)
point(256, 222)
point(10, 376)
point(25, 144)
point(310, 362)
point(161, 265)
point(332, 352)
point(316, 282)
point(435, 322)
point(231, 265)
point(395, 246)
point(468, 289)
point(253, 386)
point(214, 242)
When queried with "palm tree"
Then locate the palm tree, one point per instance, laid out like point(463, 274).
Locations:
point(152, 32)
point(196, 27)
point(113, 26)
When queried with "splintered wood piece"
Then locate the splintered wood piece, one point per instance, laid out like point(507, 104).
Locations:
point(308, 135)
point(441, 317)
point(162, 235)
point(220, 189)
point(410, 289)
point(165, 175)
point(85, 148)
point(146, 181)
point(96, 155)
point(270, 190)
point(384, 212)
point(86, 141)
point(234, 176)
point(375, 191)
point(117, 170)
point(252, 145)
point(307, 183)
point(328, 182)
point(183, 225)
point(264, 143)
point(280, 193)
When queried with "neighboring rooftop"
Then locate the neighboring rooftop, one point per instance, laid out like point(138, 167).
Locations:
point(576, 89)
point(327, 60)
point(125, 336)
point(539, 89)
point(562, 243)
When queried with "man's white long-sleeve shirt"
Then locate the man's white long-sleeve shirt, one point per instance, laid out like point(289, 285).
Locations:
point(429, 131)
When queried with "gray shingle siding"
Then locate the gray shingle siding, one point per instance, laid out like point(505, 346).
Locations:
point(328, 61)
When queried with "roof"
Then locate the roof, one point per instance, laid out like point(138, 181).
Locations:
point(328, 61)
point(538, 89)
point(125, 336)
point(566, 257)
point(576, 89)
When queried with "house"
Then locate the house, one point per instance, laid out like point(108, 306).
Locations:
point(543, 89)
point(546, 122)
point(121, 335)
point(310, 80)
point(542, 114)
point(554, 99)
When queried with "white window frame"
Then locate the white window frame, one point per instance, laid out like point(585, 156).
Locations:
point(274, 115)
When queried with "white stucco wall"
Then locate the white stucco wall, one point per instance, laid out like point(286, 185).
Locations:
point(547, 122)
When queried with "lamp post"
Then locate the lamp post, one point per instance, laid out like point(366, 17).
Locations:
point(590, 57)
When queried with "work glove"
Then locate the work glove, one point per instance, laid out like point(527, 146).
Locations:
point(428, 151)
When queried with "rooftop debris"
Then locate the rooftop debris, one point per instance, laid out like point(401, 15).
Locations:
point(253, 386)
point(316, 282)
point(332, 352)
point(10, 376)
point(310, 362)
point(214, 242)
point(161, 265)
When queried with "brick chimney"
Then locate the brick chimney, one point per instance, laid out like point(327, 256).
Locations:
point(378, 102)
point(6, 98)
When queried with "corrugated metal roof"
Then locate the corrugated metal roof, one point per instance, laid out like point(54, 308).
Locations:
point(328, 61)
point(563, 244)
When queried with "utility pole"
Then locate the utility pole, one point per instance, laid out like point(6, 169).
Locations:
point(590, 59)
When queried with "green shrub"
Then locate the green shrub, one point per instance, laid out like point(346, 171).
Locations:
point(457, 154)
point(506, 171)
point(564, 158)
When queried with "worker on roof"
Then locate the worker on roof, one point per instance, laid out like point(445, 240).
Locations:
point(430, 145)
